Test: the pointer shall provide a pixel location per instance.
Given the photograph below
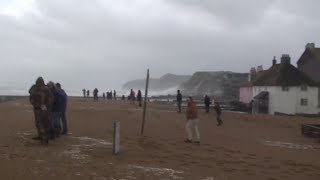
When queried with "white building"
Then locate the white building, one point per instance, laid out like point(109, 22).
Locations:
point(284, 89)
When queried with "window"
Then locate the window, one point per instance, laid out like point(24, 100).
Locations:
point(304, 102)
point(285, 88)
point(304, 88)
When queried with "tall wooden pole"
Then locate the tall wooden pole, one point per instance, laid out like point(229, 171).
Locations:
point(145, 103)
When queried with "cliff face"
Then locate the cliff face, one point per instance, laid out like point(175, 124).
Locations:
point(167, 81)
point(221, 85)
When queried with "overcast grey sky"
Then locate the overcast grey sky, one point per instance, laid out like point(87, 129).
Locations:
point(104, 43)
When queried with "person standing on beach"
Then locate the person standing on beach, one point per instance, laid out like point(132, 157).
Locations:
point(114, 94)
point(179, 101)
point(218, 112)
point(41, 99)
point(192, 121)
point(103, 95)
point(84, 92)
point(55, 111)
point(63, 107)
point(95, 94)
point(139, 98)
point(207, 103)
point(88, 93)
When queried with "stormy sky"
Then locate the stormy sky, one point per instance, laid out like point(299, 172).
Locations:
point(104, 43)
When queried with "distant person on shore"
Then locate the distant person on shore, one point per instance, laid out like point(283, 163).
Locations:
point(132, 96)
point(207, 102)
point(41, 99)
point(110, 95)
point(55, 111)
point(95, 94)
point(123, 97)
point(63, 107)
point(218, 112)
point(251, 106)
point(139, 98)
point(115, 94)
point(84, 92)
point(179, 100)
point(103, 95)
point(192, 121)
point(88, 93)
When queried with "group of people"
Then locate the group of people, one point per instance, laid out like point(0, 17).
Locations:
point(132, 97)
point(110, 95)
point(49, 103)
point(192, 115)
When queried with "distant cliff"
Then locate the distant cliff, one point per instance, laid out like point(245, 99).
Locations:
point(166, 82)
point(221, 85)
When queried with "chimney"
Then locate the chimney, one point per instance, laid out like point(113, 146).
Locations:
point(310, 46)
point(274, 61)
point(259, 69)
point(252, 74)
point(285, 59)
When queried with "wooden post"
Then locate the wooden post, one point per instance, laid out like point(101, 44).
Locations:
point(145, 103)
point(116, 137)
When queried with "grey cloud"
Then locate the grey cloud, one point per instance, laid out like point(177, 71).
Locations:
point(105, 43)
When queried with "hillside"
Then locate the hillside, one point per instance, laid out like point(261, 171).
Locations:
point(158, 84)
point(222, 85)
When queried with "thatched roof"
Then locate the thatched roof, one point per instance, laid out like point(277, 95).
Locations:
point(283, 74)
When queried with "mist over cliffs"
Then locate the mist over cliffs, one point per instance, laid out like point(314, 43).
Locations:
point(162, 84)
point(222, 85)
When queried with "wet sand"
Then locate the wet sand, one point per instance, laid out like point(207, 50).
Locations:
point(245, 147)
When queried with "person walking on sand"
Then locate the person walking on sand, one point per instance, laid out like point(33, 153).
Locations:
point(63, 107)
point(218, 112)
point(88, 93)
point(139, 98)
point(207, 103)
point(114, 94)
point(192, 121)
point(179, 100)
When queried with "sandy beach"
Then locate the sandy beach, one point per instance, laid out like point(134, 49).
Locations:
point(245, 147)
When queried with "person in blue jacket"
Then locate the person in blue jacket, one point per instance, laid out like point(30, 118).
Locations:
point(63, 106)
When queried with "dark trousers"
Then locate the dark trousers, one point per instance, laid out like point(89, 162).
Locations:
point(64, 123)
point(179, 106)
point(207, 106)
point(219, 118)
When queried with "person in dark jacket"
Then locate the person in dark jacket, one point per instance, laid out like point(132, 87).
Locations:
point(219, 112)
point(179, 100)
point(139, 98)
point(63, 107)
point(207, 102)
point(55, 111)
point(114, 94)
point(95, 94)
point(41, 99)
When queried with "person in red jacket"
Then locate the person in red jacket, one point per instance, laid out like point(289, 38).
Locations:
point(192, 121)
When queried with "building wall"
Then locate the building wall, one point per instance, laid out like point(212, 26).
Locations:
point(245, 94)
point(288, 102)
point(312, 96)
point(311, 68)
